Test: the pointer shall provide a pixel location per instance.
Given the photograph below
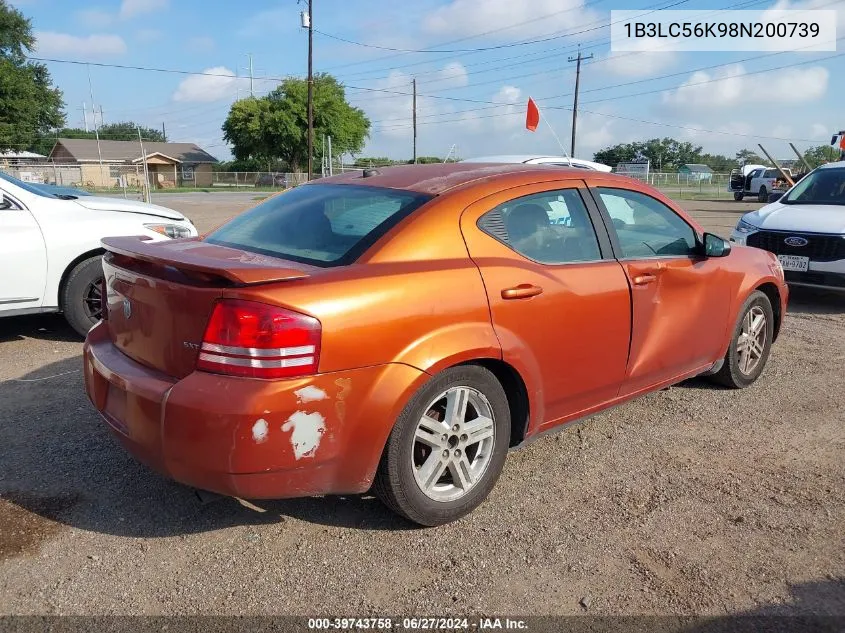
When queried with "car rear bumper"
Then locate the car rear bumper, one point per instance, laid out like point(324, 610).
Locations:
point(250, 438)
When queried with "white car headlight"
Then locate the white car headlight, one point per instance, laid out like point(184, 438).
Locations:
point(173, 231)
point(744, 227)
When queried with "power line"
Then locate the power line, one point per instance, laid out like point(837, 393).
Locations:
point(484, 48)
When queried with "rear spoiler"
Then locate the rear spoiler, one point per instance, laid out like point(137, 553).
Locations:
point(239, 267)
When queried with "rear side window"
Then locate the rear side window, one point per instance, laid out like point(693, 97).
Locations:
point(771, 173)
point(324, 225)
point(553, 227)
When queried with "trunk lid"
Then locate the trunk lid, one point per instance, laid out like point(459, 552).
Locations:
point(160, 294)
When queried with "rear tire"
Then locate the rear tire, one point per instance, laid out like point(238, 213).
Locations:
point(750, 344)
point(738, 196)
point(763, 195)
point(452, 469)
point(81, 301)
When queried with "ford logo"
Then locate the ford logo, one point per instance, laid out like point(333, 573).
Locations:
point(795, 241)
point(127, 309)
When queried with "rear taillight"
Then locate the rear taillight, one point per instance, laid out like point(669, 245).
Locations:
point(256, 340)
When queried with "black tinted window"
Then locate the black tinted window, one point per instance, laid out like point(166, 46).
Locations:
point(552, 227)
point(318, 224)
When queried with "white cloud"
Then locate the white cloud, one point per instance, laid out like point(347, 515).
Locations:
point(453, 75)
point(730, 87)
point(129, 9)
point(51, 43)
point(820, 131)
point(220, 83)
point(200, 44)
point(133, 8)
point(465, 17)
point(799, 5)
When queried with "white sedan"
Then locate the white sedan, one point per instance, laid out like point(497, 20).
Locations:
point(50, 253)
point(805, 228)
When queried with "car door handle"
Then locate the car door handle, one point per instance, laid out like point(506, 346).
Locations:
point(644, 279)
point(522, 291)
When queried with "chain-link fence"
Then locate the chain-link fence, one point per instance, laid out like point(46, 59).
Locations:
point(688, 186)
point(92, 177)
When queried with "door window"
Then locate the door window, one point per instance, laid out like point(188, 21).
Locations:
point(646, 227)
point(552, 227)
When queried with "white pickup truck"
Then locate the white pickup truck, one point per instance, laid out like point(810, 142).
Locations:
point(754, 180)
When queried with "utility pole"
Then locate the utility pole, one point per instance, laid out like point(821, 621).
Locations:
point(414, 82)
point(251, 76)
point(163, 132)
point(146, 188)
point(575, 104)
point(308, 22)
point(96, 129)
point(85, 115)
point(102, 120)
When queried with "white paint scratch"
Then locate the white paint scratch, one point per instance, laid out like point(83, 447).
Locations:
point(308, 429)
point(260, 430)
point(310, 394)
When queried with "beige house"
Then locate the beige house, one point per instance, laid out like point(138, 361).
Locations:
point(120, 162)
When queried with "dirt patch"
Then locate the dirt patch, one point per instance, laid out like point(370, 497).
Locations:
point(26, 521)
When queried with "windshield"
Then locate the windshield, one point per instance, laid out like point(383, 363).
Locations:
point(822, 186)
point(324, 225)
point(31, 188)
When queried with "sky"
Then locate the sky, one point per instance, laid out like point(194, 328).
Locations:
point(470, 101)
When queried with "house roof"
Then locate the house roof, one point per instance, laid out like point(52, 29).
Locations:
point(84, 149)
point(696, 168)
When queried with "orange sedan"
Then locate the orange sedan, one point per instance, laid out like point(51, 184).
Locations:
point(400, 329)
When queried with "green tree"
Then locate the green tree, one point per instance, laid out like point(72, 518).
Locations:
point(750, 157)
point(718, 163)
point(276, 126)
point(620, 153)
point(29, 104)
point(820, 155)
point(122, 131)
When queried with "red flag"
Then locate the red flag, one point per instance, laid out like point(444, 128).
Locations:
point(532, 117)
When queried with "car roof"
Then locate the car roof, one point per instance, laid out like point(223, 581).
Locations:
point(840, 164)
point(436, 178)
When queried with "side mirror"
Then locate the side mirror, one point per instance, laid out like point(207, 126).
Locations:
point(775, 196)
point(715, 246)
point(5, 203)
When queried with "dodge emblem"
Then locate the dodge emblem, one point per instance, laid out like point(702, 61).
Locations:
point(127, 309)
point(795, 241)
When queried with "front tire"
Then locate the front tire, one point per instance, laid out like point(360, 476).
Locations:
point(81, 300)
point(763, 195)
point(447, 449)
point(750, 344)
point(738, 196)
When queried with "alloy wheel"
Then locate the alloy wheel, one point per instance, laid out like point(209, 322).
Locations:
point(453, 444)
point(751, 342)
point(92, 300)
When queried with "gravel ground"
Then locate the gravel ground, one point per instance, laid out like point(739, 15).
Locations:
point(693, 500)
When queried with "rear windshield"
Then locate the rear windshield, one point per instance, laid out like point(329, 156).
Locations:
point(324, 225)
